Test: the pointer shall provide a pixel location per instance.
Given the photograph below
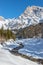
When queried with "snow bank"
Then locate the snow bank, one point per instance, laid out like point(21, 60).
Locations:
point(10, 44)
point(6, 58)
point(32, 46)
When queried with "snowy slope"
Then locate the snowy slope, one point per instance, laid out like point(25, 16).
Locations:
point(8, 59)
point(9, 45)
point(32, 47)
point(31, 16)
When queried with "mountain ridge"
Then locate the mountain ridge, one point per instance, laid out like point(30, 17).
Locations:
point(31, 16)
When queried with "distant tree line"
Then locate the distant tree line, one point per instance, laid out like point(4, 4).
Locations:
point(7, 34)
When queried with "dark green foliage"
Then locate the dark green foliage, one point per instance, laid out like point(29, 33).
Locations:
point(7, 34)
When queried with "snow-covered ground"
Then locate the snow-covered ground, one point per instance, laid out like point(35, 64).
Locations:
point(6, 58)
point(10, 44)
point(32, 47)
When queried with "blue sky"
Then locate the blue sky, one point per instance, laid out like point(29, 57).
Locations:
point(14, 8)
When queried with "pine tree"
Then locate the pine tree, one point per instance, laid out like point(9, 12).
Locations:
point(14, 36)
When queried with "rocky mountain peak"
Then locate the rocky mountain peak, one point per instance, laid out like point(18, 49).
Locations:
point(31, 16)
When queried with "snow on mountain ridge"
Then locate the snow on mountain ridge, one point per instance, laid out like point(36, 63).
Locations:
point(31, 16)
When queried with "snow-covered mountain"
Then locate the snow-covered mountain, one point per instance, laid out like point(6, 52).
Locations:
point(31, 16)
